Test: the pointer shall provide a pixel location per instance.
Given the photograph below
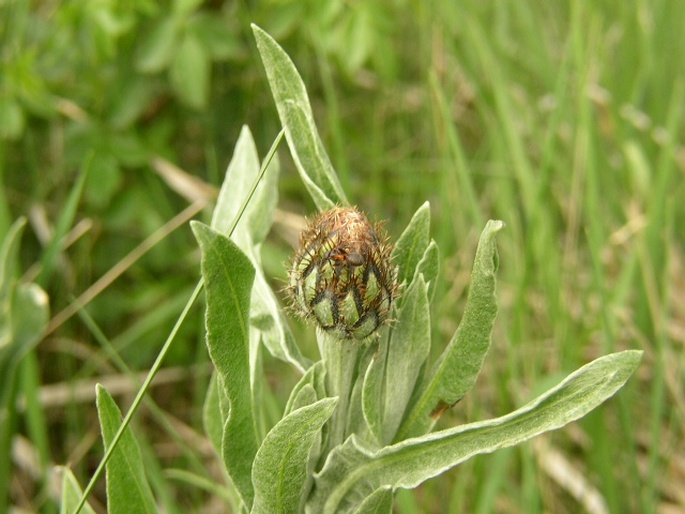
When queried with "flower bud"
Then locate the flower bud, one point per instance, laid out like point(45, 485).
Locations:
point(341, 275)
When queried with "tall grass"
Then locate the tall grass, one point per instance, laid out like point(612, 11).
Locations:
point(563, 119)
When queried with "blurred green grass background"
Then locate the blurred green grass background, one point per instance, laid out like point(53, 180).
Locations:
point(564, 119)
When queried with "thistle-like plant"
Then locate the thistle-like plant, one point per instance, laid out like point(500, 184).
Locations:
point(357, 425)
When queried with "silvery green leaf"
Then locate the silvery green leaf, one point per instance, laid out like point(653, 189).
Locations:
point(391, 377)
point(280, 473)
point(267, 316)
point(411, 245)
point(228, 278)
point(407, 352)
point(127, 487)
point(356, 418)
point(313, 379)
point(249, 233)
point(372, 391)
point(293, 107)
point(305, 396)
point(212, 417)
point(429, 266)
point(459, 365)
point(353, 471)
point(241, 174)
point(378, 502)
point(356, 422)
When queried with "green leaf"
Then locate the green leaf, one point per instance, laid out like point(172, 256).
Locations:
point(412, 244)
point(129, 102)
point(71, 494)
point(459, 365)
point(408, 350)
point(185, 7)
point(189, 73)
point(158, 46)
point(127, 487)
point(357, 422)
point(228, 277)
point(378, 502)
point(313, 382)
point(9, 261)
point(296, 115)
point(390, 378)
point(241, 174)
point(353, 471)
point(280, 472)
point(24, 313)
point(222, 39)
point(372, 391)
point(429, 267)
point(249, 233)
point(64, 223)
point(212, 418)
point(12, 119)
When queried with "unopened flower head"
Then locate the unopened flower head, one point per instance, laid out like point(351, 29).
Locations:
point(341, 275)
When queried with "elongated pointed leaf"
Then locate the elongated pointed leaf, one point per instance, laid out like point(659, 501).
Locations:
point(280, 473)
point(408, 350)
point(390, 378)
point(267, 316)
point(353, 471)
point(458, 367)
point(372, 392)
point(241, 174)
point(64, 223)
point(379, 502)
point(293, 107)
point(127, 487)
point(71, 494)
point(249, 233)
point(412, 244)
point(429, 267)
point(228, 277)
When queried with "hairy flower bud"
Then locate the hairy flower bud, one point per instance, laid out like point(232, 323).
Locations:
point(341, 275)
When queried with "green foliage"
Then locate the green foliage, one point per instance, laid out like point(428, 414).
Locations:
point(358, 460)
point(228, 276)
point(127, 485)
point(24, 315)
point(251, 230)
point(459, 365)
point(71, 494)
point(563, 119)
point(354, 471)
point(281, 473)
point(296, 115)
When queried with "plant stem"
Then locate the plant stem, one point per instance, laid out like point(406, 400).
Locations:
point(340, 361)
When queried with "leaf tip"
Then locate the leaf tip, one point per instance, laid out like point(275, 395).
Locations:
point(495, 225)
point(199, 229)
